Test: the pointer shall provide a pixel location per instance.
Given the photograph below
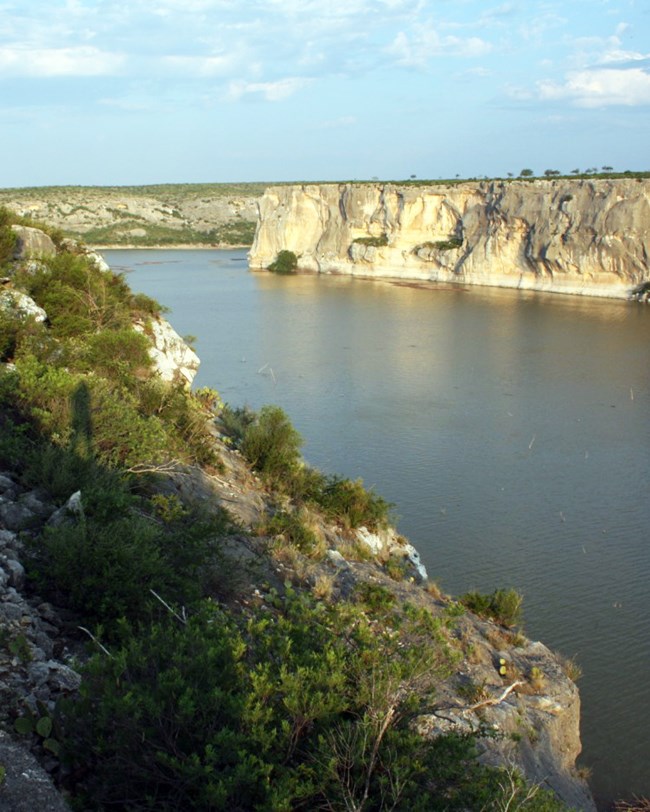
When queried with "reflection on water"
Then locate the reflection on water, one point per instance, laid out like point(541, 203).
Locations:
point(509, 428)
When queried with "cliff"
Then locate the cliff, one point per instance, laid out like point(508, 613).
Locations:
point(589, 237)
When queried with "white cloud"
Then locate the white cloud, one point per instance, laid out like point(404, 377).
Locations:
point(270, 91)
point(600, 87)
point(416, 51)
point(19, 60)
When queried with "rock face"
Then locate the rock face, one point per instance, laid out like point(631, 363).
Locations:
point(32, 242)
point(589, 237)
point(173, 358)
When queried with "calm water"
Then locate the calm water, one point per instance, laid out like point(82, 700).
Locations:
point(510, 430)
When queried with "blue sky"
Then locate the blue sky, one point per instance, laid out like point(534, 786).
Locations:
point(157, 91)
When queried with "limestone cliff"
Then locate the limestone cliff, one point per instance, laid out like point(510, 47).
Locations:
point(589, 237)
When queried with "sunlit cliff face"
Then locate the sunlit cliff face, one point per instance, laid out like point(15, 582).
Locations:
point(569, 236)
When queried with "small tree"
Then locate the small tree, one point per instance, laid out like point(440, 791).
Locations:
point(550, 173)
point(286, 262)
point(526, 173)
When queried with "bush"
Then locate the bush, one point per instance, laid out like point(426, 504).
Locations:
point(286, 262)
point(372, 242)
point(503, 605)
point(272, 445)
point(349, 502)
point(293, 530)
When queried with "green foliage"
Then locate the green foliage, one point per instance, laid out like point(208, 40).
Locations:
point(286, 262)
point(293, 530)
point(103, 564)
point(8, 240)
point(372, 242)
point(503, 605)
point(235, 422)
point(78, 297)
point(526, 173)
point(287, 719)
point(19, 647)
point(3, 774)
point(41, 725)
point(375, 597)
point(347, 501)
point(272, 445)
point(121, 355)
point(443, 245)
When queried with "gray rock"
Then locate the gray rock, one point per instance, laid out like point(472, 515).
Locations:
point(16, 573)
point(27, 787)
point(37, 503)
point(62, 677)
point(7, 538)
point(15, 516)
point(21, 305)
point(6, 483)
point(11, 611)
point(73, 507)
point(32, 242)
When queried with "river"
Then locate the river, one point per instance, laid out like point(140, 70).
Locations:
point(510, 430)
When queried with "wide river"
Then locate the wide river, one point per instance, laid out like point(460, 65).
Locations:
point(510, 430)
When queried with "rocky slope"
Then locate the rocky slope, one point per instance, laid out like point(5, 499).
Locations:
point(589, 237)
point(502, 682)
point(145, 215)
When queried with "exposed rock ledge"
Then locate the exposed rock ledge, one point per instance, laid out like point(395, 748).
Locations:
point(589, 237)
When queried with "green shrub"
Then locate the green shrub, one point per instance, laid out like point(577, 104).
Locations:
point(286, 262)
point(503, 605)
point(235, 422)
point(272, 445)
point(121, 355)
point(348, 502)
point(303, 703)
point(293, 529)
point(372, 242)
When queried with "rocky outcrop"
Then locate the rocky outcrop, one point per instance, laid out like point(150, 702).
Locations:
point(172, 357)
point(588, 237)
point(145, 215)
point(32, 242)
point(21, 305)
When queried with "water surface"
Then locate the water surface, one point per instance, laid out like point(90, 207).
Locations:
point(509, 428)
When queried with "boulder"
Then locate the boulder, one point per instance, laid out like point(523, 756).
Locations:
point(32, 242)
point(22, 305)
point(173, 358)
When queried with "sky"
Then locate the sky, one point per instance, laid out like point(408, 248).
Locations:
point(121, 92)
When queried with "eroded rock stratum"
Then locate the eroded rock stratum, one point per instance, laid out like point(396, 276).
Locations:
point(589, 237)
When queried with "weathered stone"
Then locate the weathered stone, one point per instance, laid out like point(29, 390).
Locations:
point(37, 502)
point(6, 483)
point(32, 242)
point(173, 358)
point(7, 538)
point(16, 573)
point(15, 516)
point(21, 305)
point(589, 237)
point(335, 557)
point(27, 787)
point(62, 677)
point(73, 507)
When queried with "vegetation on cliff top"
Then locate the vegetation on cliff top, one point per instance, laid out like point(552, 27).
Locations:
point(201, 697)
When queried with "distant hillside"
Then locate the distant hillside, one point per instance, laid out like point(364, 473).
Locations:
point(144, 216)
